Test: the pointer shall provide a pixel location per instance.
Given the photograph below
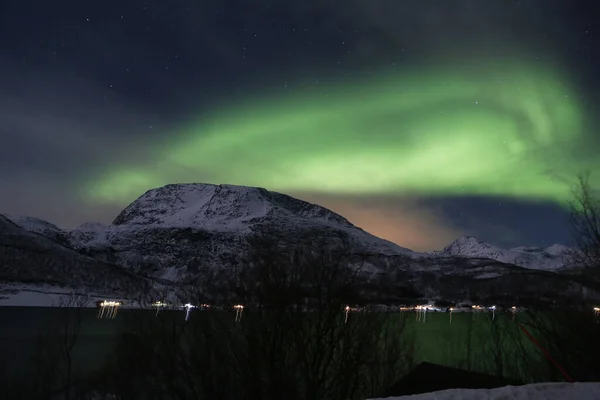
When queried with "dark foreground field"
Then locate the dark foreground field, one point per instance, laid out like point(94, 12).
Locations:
point(305, 355)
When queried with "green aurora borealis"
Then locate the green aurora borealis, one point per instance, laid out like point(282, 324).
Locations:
point(505, 129)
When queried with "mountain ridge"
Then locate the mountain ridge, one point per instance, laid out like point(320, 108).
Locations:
point(233, 208)
point(173, 233)
point(550, 258)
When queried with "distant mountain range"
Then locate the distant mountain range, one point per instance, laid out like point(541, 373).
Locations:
point(166, 237)
point(551, 258)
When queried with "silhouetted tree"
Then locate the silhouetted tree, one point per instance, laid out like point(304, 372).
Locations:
point(585, 221)
point(293, 339)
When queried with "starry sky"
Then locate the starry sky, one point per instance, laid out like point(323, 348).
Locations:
point(418, 120)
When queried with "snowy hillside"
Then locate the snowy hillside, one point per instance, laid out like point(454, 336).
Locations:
point(33, 224)
point(550, 258)
point(40, 262)
point(90, 233)
point(36, 225)
point(230, 209)
point(540, 391)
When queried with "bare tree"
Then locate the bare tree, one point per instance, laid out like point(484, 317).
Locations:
point(292, 339)
point(53, 360)
point(585, 221)
point(70, 319)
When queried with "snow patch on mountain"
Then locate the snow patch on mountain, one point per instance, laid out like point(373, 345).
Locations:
point(549, 258)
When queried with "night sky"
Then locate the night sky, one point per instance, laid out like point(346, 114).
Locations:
point(418, 120)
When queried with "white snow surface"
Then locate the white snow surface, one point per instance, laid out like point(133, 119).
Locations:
point(549, 258)
point(540, 391)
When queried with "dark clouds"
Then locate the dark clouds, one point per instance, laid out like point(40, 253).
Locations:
point(85, 85)
point(441, 27)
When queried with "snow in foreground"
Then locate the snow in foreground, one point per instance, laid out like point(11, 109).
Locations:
point(540, 391)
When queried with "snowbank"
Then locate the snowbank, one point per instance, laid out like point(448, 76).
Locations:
point(540, 391)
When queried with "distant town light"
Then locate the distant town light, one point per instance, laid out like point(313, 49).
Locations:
point(188, 307)
point(158, 305)
point(239, 309)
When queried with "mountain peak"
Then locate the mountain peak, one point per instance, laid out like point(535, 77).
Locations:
point(470, 246)
point(467, 238)
point(237, 210)
point(217, 207)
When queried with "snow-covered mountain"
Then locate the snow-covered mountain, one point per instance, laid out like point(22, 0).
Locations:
point(177, 234)
point(550, 258)
point(235, 209)
point(171, 231)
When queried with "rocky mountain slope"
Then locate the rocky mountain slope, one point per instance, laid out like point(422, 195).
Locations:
point(176, 233)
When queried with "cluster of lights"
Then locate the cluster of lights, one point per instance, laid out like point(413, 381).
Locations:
point(422, 312)
point(110, 303)
point(108, 309)
point(597, 310)
point(239, 308)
